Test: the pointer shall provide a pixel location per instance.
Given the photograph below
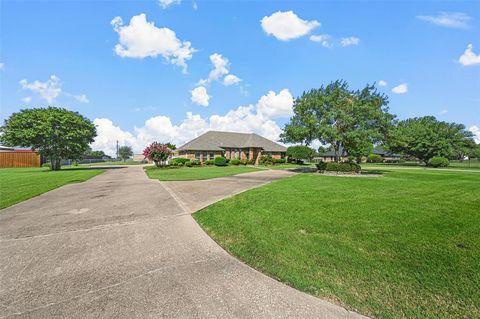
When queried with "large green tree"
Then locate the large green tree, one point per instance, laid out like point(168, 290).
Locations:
point(425, 137)
point(349, 121)
point(56, 133)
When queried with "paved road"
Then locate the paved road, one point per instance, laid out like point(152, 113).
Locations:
point(121, 246)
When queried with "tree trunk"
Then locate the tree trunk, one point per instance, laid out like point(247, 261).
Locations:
point(54, 163)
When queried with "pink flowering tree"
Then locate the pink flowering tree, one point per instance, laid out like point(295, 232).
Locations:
point(158, 153)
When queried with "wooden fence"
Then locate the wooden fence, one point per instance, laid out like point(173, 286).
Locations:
point(19, 159)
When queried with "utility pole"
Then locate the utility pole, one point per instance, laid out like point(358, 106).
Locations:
point(117, 149)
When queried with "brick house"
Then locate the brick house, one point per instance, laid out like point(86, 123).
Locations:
point(243, 146)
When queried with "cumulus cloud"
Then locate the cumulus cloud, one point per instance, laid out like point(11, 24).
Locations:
point(221, 68)
point(443, 112)
point(469, 57)
point(476, 133)
point(258, 118)
point(141, 39)
point(349, 41)
point(324, 39)
point(400, 89)
point(457, 20)
point(382, 83)
point(82, 98)
point(2, 66)
point(48, 90)
point(166, 3)
point(231, 79)
point(199, 96)
point(287, 25)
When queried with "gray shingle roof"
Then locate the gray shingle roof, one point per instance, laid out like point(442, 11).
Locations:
point(218, 141)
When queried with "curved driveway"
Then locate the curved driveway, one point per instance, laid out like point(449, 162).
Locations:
point(123, 246)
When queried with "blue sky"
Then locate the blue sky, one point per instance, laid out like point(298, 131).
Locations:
point(63, 53)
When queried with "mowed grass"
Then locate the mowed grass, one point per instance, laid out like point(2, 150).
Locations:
point(19, 184)
point(196, 173)
point(403, 245)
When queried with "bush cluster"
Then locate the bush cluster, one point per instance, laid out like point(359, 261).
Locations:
point(338, 167)
point(374, 158)
point(279, 161)
point(235, 161)
point(179, 161)
point(209, 162)
point(438, 161)
point(220, 161)
point(265, 160)
point(188, 164)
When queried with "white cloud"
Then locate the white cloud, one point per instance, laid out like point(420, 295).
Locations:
point(276, 105)
point(48, 90)
point(382, 83)
point(400, 89)
point(141, 39)
point(251, 118)
point(350, 41)
point(27, 99)
point(166, 3)
point(324, 39)
point(221, 67)
point(200, 96)
point(287, 25)
point(82, 98)
point(469, 57)
point(457, 20)
point(476, 133)
point(231, 79)
point(443, 112)
point(2, 66)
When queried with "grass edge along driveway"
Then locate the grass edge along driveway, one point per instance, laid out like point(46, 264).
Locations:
point(19, 184)
point(196, 173)
point(402, 245)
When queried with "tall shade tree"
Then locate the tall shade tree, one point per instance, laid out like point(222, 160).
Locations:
point(425, 137)
point(56, 133)
point(125, 152)
point(350, 121)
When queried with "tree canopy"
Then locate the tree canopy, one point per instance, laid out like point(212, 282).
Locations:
point(55, 133)
point(350, 121)
point(125, 152)
point(425, 137)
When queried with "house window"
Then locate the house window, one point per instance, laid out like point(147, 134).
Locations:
point(204, 156)
point(197, 156)
point(211, 156)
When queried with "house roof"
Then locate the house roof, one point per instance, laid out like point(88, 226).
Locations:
point(218, 141)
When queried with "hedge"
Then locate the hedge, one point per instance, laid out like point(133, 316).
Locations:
point(338, 167)
point(220, 161)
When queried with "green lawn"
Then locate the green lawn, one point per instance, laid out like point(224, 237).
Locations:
point(403, 245)
point(19, 184)
point(286, 166)
point(194, 173)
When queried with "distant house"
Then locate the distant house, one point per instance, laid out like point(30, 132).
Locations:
point(243, 146)
point(330, 156)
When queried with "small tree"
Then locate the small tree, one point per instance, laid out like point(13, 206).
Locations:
point(300, 152)
point(56, 133)
point(125, 152)
point(158, 153)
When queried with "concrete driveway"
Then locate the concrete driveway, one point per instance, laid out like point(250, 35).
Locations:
point(121, 246)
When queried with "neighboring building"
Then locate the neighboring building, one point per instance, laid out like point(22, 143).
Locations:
point(329, 156)
point(243, 146)
point(18, 157)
